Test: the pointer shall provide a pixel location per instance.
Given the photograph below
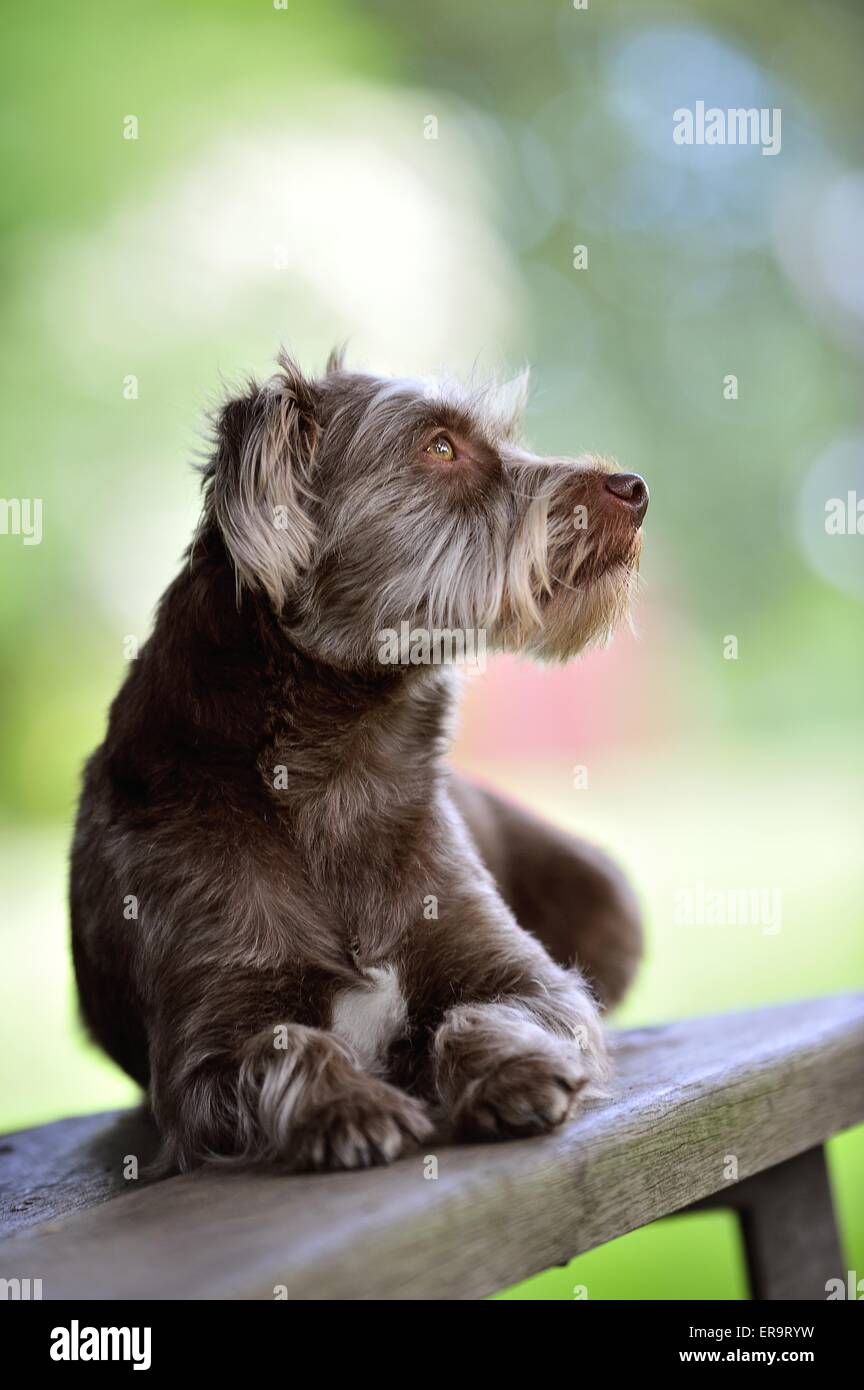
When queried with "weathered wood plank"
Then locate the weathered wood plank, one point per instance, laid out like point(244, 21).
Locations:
point(760, 1087)
point(69, 1166)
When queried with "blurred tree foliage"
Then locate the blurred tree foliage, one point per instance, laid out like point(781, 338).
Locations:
point(568, 115)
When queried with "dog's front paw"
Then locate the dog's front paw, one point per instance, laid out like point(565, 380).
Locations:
point(528, 1093)
point(368, 1124)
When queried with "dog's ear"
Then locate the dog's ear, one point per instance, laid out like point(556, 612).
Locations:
point(261, 481)
point(335, 360)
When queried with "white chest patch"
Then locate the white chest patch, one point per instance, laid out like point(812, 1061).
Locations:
point(370, 1016)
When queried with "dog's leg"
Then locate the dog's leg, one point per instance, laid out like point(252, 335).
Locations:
point(288, 1095)
point(518, 1065)
point(514, 1037)
point(569, 894)
point(500, 1073)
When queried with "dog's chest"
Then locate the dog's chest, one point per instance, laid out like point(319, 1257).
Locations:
point(371, 1015)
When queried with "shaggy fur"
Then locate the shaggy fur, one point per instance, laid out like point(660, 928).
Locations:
point(290, 922)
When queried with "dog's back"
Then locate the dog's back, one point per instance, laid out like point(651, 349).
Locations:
point(103, 940)
point(137, 789)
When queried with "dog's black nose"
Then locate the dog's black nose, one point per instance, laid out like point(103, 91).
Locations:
point(633, 490)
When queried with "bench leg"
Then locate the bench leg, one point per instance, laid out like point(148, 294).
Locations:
point(789, 1228)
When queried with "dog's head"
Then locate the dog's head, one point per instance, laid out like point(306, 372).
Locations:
point(357, 504)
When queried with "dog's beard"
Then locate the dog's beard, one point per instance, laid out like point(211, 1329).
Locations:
point(549, 593)
point(574, 618)
point(566, 589)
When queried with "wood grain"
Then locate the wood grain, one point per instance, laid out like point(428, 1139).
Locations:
point(69, 1165)
point(758, 1088)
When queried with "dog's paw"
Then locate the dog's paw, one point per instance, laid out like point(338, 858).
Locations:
point(365, 1125)
point(529, 1093)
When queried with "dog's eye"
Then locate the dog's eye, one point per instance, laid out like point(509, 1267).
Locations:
point(442, 449)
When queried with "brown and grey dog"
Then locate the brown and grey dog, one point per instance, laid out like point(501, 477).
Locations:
point(290, 922)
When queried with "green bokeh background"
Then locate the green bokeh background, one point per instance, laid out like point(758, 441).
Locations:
point(283, 188)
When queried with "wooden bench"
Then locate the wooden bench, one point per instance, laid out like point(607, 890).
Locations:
point(763, 1090)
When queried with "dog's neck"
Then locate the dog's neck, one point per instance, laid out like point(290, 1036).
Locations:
point(356, 748)
point(344, 764)
point(359, 757)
